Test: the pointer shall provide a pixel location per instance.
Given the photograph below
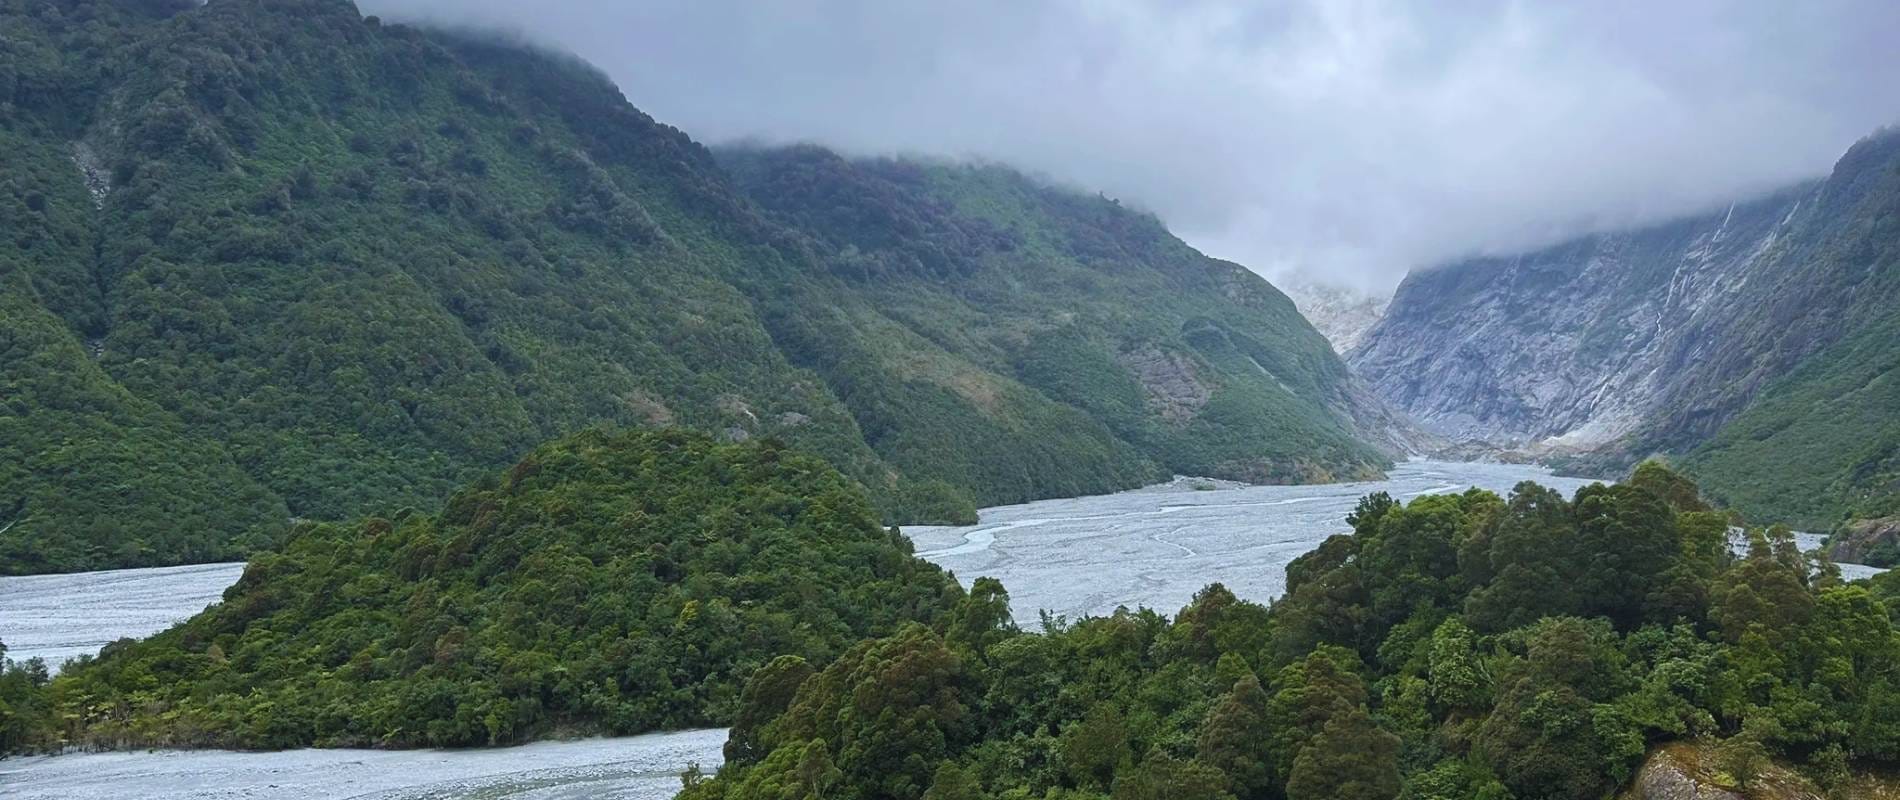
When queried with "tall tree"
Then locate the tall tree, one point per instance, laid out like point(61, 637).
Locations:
point(1164, 777)
point(1231, 740)
point(1350, 759)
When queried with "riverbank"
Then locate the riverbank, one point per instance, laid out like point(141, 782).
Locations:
point(630, 768)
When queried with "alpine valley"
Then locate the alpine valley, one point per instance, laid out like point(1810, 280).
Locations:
point(268, 261)
point(533, 421)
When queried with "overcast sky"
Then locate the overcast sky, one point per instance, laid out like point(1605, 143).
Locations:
point(1343, 139)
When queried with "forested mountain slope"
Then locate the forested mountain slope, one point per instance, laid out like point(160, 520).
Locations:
point(274, 260)
point(1758, 342)
point(1195, 362)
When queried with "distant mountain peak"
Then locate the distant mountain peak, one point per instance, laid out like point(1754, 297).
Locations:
point(1343, 315)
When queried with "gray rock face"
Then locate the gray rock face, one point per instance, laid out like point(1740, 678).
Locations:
point(1646, 340)
point(1572, 345)
point(1858, 540)
point(1687, 771)
point(1665, 779)
point(1175, 388)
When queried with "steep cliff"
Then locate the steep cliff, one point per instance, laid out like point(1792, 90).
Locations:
point(1756, 341)
point(1572, 344)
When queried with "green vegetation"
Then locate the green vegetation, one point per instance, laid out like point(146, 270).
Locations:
point(1822, 444)
point(270, 260)
point(24, 715)
point(1188, 362)
point(120, 480)
point(1820, 441)
point(1464, 646)
point(1767, 332)
point(612, 582)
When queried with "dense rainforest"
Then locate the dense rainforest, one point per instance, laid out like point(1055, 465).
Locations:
point(267, 262)
point(1462, 646)
point(1757, 344)
point(1528, 647)
point(612, 582)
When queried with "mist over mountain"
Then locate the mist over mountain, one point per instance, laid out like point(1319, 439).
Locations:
point(276, 261)
point(534, 417)
point(1345, 142)
point(1756, 342)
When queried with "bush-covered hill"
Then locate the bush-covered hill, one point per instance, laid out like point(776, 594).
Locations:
point(613, 582)
point(1467, 646)
point(318, 266)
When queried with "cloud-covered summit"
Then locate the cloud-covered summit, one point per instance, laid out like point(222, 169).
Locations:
point(1345, 139)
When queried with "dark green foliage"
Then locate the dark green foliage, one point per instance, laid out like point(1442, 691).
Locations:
point(1163, 777)
point(953, 783)
point(1095, 747)
point(1215, 376)
point(1549, 736)
point(1820, 437)
point(1674, 488)
point(91, 475)
point(1625, 540)
point(767, 694)
point(618, 582)
point(1824, 442)
point(24, 715)
point(1308, 695)
point(267, 260)
point(1350, 759)
point(886, 714)
point(1231, 740)
point(1451, 697)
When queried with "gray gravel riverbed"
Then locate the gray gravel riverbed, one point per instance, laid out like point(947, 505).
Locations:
point(1152, 547)
point(1158, 546)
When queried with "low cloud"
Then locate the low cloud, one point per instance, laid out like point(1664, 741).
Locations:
point(1347, 141)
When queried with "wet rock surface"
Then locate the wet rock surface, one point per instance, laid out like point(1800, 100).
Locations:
point(1577, 342)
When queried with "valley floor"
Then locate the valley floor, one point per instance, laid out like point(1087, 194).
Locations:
point(1156, 547)
point(57, 617)
point(631, 768)
point(1078, 556)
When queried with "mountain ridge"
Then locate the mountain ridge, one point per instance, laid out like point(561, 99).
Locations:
point(361, 264)
point(1701, 338)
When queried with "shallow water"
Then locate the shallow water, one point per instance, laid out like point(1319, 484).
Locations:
point(1150, 547)
point(631, 768)
point(56, 617)
point(1156, 547)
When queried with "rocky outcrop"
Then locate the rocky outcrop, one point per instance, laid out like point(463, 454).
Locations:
point(1874, 542)
point(1756, 342)
point(1174, 386)
point(1666, 777)
point(1571, 345)
point(1687, 771)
